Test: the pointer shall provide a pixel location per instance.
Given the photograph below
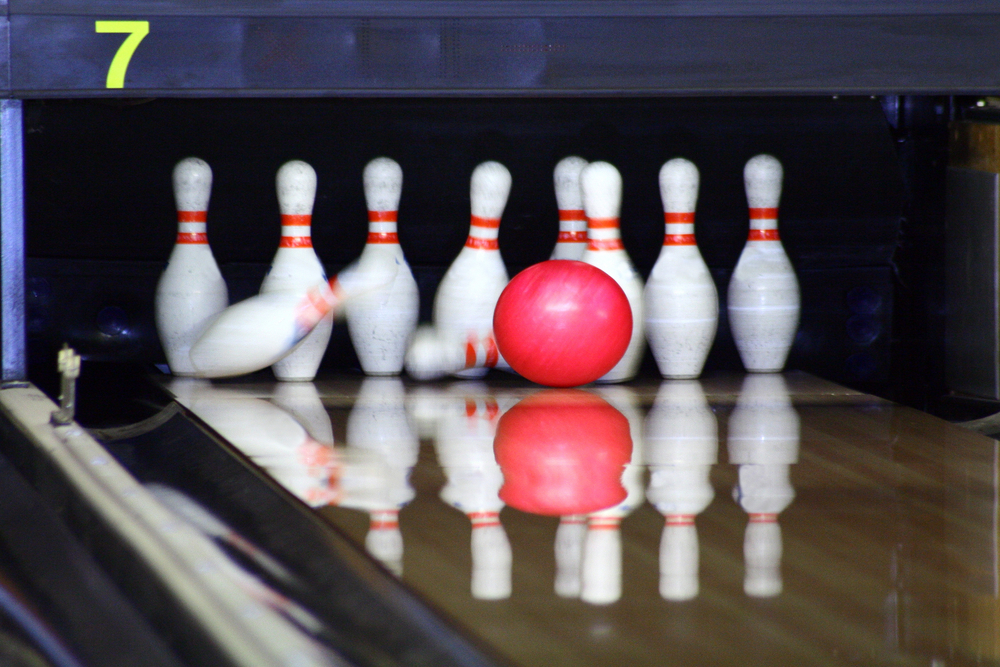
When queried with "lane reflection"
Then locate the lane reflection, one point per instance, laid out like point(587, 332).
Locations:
point(467, 420)
point(557, 536)
point(682, 439)
point(763, 441)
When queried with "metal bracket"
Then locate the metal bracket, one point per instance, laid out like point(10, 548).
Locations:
point(69, 369)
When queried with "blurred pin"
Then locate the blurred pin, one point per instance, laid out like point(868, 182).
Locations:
point(296, 267)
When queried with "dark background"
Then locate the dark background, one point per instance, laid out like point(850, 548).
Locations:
point(861, 210)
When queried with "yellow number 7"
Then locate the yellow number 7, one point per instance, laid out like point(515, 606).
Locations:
point(138, 30)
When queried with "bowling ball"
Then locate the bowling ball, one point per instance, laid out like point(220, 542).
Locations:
point(562, 451)
point(562, 323)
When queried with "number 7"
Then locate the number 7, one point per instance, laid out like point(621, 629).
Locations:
point(138, 30)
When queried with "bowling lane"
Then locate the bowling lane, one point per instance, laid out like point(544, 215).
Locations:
point(766, 519)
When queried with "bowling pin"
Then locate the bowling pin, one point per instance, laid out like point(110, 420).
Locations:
point(433, 355)
point(191, 290)
point(682, 444)
point(763, 291)
point(764, 441)
point(381, 322)
point(572, 240)
point(682, 305)
point(469, 290)
point(257, 332)
point(296, 268)
point(601, 185)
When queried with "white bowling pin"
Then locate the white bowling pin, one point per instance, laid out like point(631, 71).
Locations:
point(763, 291)
point(191, 290)
point(257, 332)
point(601, 185)
point(682, 305)
point(296, 268)
point(469, 290)
point(433, 354)
point(381, 322)
point(572, 240)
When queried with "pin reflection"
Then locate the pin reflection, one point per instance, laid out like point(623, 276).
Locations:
point(270, 437)
point(764, 442)
point(682, 442)
point(466, 427)
point(379, 426)
point(567, 453)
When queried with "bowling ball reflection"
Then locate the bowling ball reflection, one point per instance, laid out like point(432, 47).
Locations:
point(562, 451)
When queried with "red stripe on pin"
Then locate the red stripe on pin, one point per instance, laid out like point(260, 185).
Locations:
point(492, 223)
point(192, 238)
point(384, 525)
point(678, 218)
point(470, 357)
point(568, 214)
point(763, 235)
point(572, 237)
point(492, 355)
point(192, 216)
point(763, 517)
point(603, 526)
point(478, 516)
point(297, 220)
point(382, 216)
point(383, 237)
point(680, 520)
point(602, 223)
point(679, 239)
point(482, 244)
point(605, 244)
point(296, 242)
point(763, 214)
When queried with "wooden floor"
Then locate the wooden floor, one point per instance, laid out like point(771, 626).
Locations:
point(769, 520)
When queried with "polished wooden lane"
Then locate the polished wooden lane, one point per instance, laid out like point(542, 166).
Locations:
point(829, 527)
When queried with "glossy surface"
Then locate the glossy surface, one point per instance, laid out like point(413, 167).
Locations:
point(769, 519)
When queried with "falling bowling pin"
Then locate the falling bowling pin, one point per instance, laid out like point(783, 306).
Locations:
point(381, 322)
point(433, 355)
point(601, 185)
point(682, 305)
point(572, 240)
point(469, 290)
point(191, 290)
point(763, 291)
point(296, 268)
